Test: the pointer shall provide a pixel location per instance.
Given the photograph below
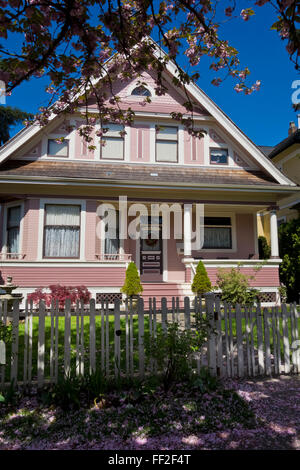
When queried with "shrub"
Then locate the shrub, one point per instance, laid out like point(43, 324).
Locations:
point(173, 350)
point(60, 293)
point(201, 283)
point(263, 248)
point(289, 250)
point(235, 287)
point(132, 285)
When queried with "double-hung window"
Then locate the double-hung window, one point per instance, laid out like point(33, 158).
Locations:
point(113, 148)
point(62, 231)
point(112, 237)
point(13, 229)
point(166, 144)
point(217, 233)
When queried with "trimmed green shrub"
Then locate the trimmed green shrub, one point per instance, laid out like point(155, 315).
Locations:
point(132, 285)
point(264, 249)
point(235, 287)
point(201, 283)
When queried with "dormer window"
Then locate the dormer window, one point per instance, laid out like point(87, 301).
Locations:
point(141, 91)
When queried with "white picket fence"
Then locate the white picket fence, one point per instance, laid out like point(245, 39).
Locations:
point(246, 341)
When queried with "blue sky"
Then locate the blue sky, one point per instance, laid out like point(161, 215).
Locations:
point(265, 115)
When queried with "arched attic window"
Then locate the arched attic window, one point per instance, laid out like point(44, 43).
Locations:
point(141, 91)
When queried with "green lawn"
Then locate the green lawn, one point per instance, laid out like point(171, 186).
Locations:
point(61, 326)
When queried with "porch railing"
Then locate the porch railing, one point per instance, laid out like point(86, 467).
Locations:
point(11, 256)
point(114, 257)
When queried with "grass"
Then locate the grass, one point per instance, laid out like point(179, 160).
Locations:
point(98, 342)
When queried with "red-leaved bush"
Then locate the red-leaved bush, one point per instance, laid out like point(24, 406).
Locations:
point(60, 293)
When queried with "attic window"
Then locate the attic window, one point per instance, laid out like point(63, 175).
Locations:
point(141, 91)
point(57, 148)
point(218, 156)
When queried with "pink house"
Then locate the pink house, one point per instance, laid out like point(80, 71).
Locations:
point(51, 195)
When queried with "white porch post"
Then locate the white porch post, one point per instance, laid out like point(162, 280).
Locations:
point(274, 234)
point(187, 240)
point(122, 222)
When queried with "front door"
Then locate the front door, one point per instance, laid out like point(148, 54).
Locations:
point(151, 261)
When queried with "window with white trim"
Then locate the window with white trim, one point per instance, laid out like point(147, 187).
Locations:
point(166, 144)
point(217, 233)
point(141, 91)
point(112, 237)
point(57, 148)
point(218, 156)
point(62, 231)
point(113, 143)
point(13, 229)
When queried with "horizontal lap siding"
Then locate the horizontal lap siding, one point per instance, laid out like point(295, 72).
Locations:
point(265, 277)
point(44, 276)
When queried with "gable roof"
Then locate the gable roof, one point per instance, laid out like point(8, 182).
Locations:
point(286, 143)
point(266, 149)
point(202, 98)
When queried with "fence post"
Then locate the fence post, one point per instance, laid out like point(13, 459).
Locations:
point(164, 314)
point(117, 336)
point(219, 337)
point(211, 347)
point(260, 346)
point(187, 313)
point(15, 343)
point(141, 336)
point(92, 336)
point(286, 343)
point(239, 340)
point(67, 337)
point(41, 345)
point(267, 341)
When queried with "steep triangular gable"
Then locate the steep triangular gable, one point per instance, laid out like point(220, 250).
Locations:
point(171, 101)
point(204, 102)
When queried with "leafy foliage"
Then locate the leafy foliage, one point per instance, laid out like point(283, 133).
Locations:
point(174, 349)
point(69, 43)
point(289, 250)
point(201, 283)
point(132, 285)
point(235, 287)
point(263, 248)
point(9, 117)
point(60, 293)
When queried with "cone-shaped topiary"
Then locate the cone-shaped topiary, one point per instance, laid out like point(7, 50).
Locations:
point(132, 285)
point(201, 282)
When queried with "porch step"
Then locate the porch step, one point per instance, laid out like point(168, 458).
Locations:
point(160, 290)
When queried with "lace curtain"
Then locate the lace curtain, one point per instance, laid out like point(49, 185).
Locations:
point(217, 237)
point(62, 231)
point(13, 229)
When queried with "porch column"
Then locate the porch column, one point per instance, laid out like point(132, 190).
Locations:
point(122, 222)
point(274, 234)
point(187, 238)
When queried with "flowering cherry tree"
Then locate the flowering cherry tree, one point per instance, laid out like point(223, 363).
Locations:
point(73, 43)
